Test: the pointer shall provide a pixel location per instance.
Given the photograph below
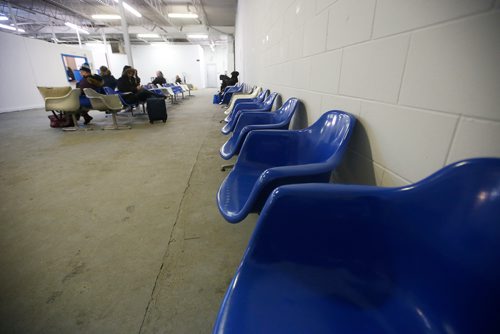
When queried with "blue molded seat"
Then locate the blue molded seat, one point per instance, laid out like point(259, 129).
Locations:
point(269, 159)
point(229, 91)
point(241, 108)
point(258, 99)
point(356, 259)
point(258, 120)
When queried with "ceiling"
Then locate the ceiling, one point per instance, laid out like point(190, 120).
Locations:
point(45, 19)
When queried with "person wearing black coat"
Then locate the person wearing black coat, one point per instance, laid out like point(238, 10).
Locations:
point(109, 80)
point(127, 83)
point(159, 80)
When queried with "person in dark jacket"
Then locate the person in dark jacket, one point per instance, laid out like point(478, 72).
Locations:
point(160, 79)
point(88, 81)
point(234, 78)
point(127, 83)
point(228, 81)
point(178, 79)
point(107, 77)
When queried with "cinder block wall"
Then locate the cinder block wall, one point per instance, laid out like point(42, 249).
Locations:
point(422, 76)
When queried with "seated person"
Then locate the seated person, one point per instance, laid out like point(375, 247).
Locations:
point(178, 79)
point(159, 80)
point(107, 77)
point(88, 80)
point(234, 78)
point(127, 83)
point(224, 80)
point(228, 81)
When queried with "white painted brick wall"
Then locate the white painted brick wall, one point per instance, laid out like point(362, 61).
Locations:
point(421, 76)
point(350, 22)
point(374, 70)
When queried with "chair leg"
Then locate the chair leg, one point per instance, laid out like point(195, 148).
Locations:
point(75, 124)
point(223, 168)
point(115, 125)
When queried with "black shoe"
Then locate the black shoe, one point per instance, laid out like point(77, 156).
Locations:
point(88, 119)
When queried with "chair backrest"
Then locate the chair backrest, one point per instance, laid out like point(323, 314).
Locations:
point(109, 90)
point(54, 91)
point(285, 113)
point(262, 95)
point(268, 102)
point(103, 102)
point(327, 138)
point(66, 103)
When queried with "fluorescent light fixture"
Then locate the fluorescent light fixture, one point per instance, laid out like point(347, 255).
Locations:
point(74, 26)
point(183, 15)
point(130, 9)
point(11, 28)
point(106, 17)
point(195, 36)
point(148, 35)
point(7, 27)
point(3, 18)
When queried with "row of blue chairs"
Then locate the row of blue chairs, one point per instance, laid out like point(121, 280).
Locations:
point(329, 258)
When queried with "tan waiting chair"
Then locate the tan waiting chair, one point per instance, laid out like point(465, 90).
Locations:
point(106, 103)
point(63, 100)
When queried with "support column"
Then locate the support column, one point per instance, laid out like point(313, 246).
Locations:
point(126, 37)
point(105, 42)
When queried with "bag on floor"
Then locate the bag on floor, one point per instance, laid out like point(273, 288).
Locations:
point(60, 121)
point(216, 99)
point(157, 109)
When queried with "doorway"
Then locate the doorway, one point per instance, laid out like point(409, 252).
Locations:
point(212, 75)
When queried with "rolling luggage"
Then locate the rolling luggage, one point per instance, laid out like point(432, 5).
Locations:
point(157, 109)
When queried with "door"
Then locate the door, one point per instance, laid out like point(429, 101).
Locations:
point(212, 76)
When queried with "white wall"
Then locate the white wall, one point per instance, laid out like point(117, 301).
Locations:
point(421, 76)
point(171, 60)
point(26, 63)
point(219, 57)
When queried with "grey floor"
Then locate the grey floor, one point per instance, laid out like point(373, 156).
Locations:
point(115, 231)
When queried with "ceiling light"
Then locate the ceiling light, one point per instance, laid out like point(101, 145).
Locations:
point(197, 36)
point(183, 15)
point(106, 17)
point(148, 35)
point(11, 28)
point(74, 26)
point(130, 9)
point(3, 18)
point(7, 27)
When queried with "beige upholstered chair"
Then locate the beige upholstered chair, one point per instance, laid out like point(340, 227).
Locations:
point(107, 103)
point(64, 100)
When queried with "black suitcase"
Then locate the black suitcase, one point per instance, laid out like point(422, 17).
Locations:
point(157, 109)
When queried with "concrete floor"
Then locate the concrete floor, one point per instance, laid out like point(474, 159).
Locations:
point(115, 231)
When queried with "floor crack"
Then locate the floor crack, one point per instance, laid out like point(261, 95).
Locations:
point(171, 238)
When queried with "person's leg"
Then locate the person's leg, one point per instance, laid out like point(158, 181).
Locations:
point(85, 106)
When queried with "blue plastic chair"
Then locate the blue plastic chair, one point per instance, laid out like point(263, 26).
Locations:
point(131, 106)
point(258, 99)
point(228, 93)
point(269, 159)
point(241, 108)
point(258, 120)
point(357, 259)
